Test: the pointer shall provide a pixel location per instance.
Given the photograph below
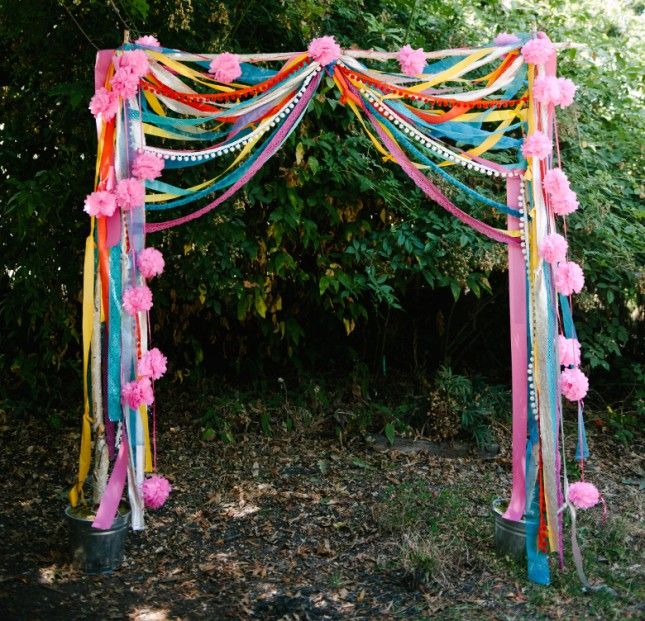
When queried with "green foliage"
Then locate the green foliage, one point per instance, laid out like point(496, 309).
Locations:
point(329, 240)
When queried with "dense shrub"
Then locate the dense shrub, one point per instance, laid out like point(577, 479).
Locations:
point(328, 241)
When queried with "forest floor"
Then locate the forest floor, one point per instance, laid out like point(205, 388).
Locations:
point(303, 527)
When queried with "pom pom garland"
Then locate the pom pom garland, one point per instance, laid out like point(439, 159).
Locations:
point(583, 495)
point(155, 491)
point(130, 193)
point(152, 364)
point(538, 51)
point(100, 203)
point(546, 89)
point(150, 262)
point(567, 92)
point(137, 299)
point(537, 145)
point(148, 41)
point(225, 67)
point(325, 50)
point(124, 83)
point(555, 182)
point(565, 203)
point(137, 393)
point(134, 62)
point(573, 384)
point(569, 278)
point(505, 38)
point(105, 103)
point(147, 166)
point(412, 61)
point(569, 351)
point(551, 90)
point(553, 248)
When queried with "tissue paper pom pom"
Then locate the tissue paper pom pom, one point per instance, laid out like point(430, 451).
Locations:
point(583, 495)
point(567, 92)
point(553, 248)
point(134, 61)
point(565, 203)
point(152, 364)
point(137, 393)
point(147, 166)
point(325, 50)
point(569, 350)
point(105, 103)
point(155, 490)
point(546, 89)
point(100, 203)
point(137, 299)
point(538, 144)
point(150, 262)
point(148, 41)
point(573, 384)
point(124, 83)
point(555, 182)
point(130, 193)
point(412, 61)
point(569, 278)
point(225, 67)
point(505, 38)
point(538, 51)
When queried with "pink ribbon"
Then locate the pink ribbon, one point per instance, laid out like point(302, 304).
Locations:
point(114, 490)
point(519, 361)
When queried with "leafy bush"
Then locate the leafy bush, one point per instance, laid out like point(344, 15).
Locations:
point(328, 241)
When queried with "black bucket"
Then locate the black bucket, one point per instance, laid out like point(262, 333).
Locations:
point(97, 551)
point(510, 536)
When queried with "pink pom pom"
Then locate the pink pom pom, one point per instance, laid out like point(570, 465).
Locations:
point(412, 61)
point(134, 61)
point(569, 278)
point(152, 364)
point(137, 393)
point(125, 83)
point(583, 495)
point(147, 166)
point(573, 384)
point(565, 203)
point(538, 51)
point(155, 490)
point(505, 38)
point(100, 203)
point(546, 89)
point(538, 145)
point(325, 50)
point(569, 351)
point(225, 67)
point(148, 41)
point(130, 193)
point(150, 262)
point(136, 299)
point(567, 92)
point(553, 248)
point(555, 182)
point(105, 103)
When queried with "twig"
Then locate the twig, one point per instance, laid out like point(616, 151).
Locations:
point(96, 47)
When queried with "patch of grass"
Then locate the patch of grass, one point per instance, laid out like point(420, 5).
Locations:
point(433, 529)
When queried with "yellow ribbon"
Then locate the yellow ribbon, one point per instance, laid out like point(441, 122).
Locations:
point(76, 492)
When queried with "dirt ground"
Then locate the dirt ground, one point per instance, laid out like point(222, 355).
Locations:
point(302, 528)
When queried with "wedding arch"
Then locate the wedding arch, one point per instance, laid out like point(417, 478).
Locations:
point(490, 109)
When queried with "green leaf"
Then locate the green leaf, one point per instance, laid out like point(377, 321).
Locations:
point(389, 432)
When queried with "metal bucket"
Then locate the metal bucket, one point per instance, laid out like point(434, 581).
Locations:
point(97, 551)
point(510, 536)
